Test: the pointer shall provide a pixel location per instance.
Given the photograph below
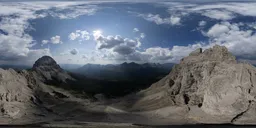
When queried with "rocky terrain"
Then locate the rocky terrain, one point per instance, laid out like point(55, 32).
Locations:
point(208, 86)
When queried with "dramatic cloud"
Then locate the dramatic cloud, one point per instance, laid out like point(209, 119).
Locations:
point(159, 20)
point(56, 40)
point(123, 50)
point(15, 42)
point(74, 51)
point(116, 43)
point(79, 34)
point(239, 41)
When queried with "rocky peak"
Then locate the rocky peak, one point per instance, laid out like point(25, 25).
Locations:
point(211, 80)
point(46, 62)
point(47, 68)
point(216, 53)
point(219, 53)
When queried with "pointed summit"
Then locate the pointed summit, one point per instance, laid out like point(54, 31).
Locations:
point(216, 53)
point(46, 63)
point(48, 69)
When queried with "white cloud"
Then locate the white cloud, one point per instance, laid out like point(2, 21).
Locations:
point(79, 34)
point(56, 40)
point(16, 43)
point(136, 30)
point(73, 11)
point(115, 43)
point(74, 51)
point(218, 14)
point(214, 10)
point(240, 42)
point(142, 35)
point(202, 23)
point(173, 20)
point(217, 30)
point(73, 36)
point(45, 42)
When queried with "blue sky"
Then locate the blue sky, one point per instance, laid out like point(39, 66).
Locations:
point(80, 32)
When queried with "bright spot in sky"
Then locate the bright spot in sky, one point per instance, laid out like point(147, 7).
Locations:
point(97, 33)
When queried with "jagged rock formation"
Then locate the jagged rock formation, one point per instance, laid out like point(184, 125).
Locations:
point(25, 93)
point(48, 70)
point(212, 81)
point(13, 91)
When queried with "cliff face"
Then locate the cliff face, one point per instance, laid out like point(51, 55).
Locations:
point(25, 95)
point(212, 82)
point(47, 69)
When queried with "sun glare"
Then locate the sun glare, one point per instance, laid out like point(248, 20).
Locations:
point(97, 33)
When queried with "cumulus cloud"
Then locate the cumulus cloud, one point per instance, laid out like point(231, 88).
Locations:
point(217, 30)
point(173, 20)
point(218, 14)
point(73, 36)
point(202, 23)
point(239, 41)
point(45, 42)
point(74, 51)
point(142, 35)
point(15, 42)
point(136, 30)
point(116, 43)
point(56, 40)
point(79, 34)
point(123, 49)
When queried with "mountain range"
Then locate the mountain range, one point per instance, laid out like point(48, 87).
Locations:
point(125, 71)
point(206, 87)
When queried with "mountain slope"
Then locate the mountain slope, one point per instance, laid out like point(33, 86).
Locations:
point(209, 84)
point(124, 71)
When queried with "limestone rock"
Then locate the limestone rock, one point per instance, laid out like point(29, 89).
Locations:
point(211, 80)
point(47, 69)
point(196, 52)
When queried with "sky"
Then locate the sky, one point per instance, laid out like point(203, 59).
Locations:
point(110, 32)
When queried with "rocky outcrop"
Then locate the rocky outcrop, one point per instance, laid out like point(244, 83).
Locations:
point(212, 81)
point(25, 93)
point(13, 93)
point(47, 69)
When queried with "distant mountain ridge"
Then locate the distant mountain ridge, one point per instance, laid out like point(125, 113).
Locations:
point(124, 71)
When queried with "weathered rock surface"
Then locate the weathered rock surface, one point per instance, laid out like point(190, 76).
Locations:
point(25, 93)
point(212, 81)
point(13, 90)
point(47, 69)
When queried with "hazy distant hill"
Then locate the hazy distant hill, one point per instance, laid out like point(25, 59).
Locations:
point(16, 67)
point(125, 71)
